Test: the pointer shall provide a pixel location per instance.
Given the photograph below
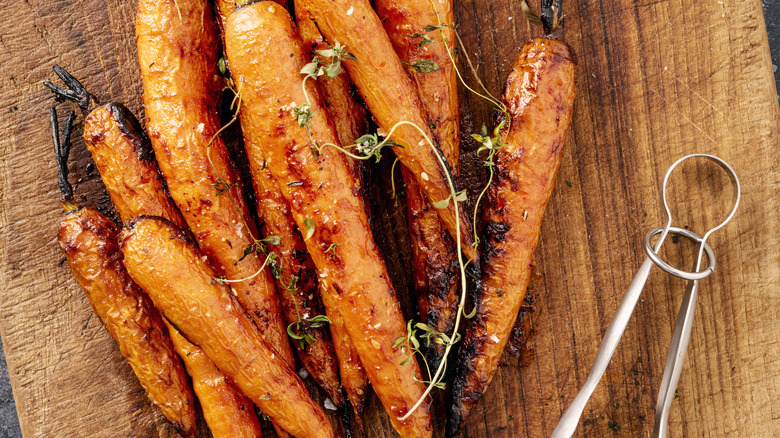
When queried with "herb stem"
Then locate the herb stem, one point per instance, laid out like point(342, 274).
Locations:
point(268, 257)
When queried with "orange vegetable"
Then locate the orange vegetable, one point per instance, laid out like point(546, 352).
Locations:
point(321, 192)
point(160, 257)
point(435, 255)
point(539, 97)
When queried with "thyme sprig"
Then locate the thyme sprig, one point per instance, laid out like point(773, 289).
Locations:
point(299, 329)
point(319, 65)
point(491, 145)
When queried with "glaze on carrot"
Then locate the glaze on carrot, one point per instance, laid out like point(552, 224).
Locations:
point(178, 60)
point(434, 253)
point(322, 194)
point(539, 97)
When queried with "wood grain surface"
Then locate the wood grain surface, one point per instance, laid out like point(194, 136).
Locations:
point(656, 80)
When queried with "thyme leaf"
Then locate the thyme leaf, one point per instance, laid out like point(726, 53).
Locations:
point(308, 223)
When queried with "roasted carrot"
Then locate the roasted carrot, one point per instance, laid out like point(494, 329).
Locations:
point(125, 161)
point(178, 60)
point(350, 119)
point(126, 164)
point(89, 241)
point(390, 95)
point(434, 252)
point(228, 412)
point(539, 97)
point(296, 278)
point(162, 259)
point(321, 192)
point(295, 273)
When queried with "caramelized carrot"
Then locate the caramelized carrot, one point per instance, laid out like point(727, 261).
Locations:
point(295, 273)
point(350, 119)
point(390, 96)
point(89, 241)
point(539, 97)
point(434, 252)
point(178, 60)
point(228, 412)
point(160, 257)
point(321, 191)
point(127, 167)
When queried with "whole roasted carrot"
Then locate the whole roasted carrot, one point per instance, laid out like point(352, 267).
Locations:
point(350, 119)
point(321, 192)
point(295, 273)
point(392, 99)
point(160, 257)
point(89, 241)
point(127, 167)
point(539, 98)
point(178, 60)
point(421, 34)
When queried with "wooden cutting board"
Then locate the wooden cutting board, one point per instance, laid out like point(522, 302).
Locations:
point(656, 80)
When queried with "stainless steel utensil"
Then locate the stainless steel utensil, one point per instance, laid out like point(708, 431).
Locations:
point(682, 331)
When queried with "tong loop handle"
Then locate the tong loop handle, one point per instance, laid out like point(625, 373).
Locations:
point(686, 275)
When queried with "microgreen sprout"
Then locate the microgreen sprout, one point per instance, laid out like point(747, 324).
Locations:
point(369, 146)
point(460, 196)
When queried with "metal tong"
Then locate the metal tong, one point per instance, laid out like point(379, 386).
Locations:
point(682, 331)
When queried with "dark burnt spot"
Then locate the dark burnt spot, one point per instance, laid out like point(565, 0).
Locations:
point(132, 131)
point(466, 387)
point(496, 231)
point(206, 202)
point(500, 292)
